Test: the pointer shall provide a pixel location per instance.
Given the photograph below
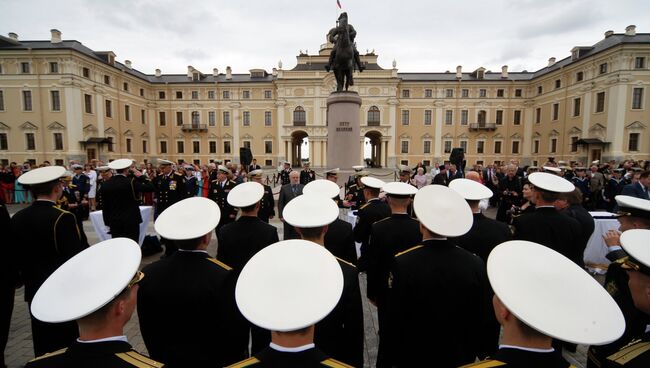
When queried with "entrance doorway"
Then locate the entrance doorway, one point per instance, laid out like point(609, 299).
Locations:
point(299, 148)
point(595, 154)
point(91, 153)
point(372, 151)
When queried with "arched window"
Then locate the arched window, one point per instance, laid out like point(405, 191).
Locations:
point(373, 116)
point(299, 116)
point(195, 118)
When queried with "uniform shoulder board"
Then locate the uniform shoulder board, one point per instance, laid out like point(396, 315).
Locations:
point(408, 250)
point(232, 181)
point(138, 360)
point(629, 352)
point(49, 355)
point(245, 363)
point(335, 363)
point(364, 206)
point(62, 210)
point(484, 364)
point(219, 263)
point(344, 261)
point(384, 219)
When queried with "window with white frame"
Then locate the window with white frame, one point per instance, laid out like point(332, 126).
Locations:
point(180, 147)
point(405, 117)
point(464, 93)
point(574, 143)
point(27, 100)
point(449, 93)
point(427, 117)
point(268, 118)
point(555, 111)
point(637, 98)
point(633, 142)
point(515, 147)
point(447, 145)
point(576, 106)
point(464, 117)
point(196, 147)
point(536, 146)
point(226, 147)
point(212, 118)
point(195, 95)
point(58, 141)
point(463, 145)
point(211, 95)
point(246, 118)
point(30, 141)
point(129, 149)
point(55, 100)
point(480, 146)
point(226, 118)
point(428, 93)
point(163, 146)
point(553, 145)
point(404, 146)
point(268, 147)
point(212, 146)
point(516, 118)
point(449, 117)
point(426, 146)
point(497, 147)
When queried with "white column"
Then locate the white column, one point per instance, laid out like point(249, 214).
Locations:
point(74, 122)
point(437, 141)
point(392, 110)
point(361, 151)
point(586, 113)
point(279, 123)
point(153, 141)
point(235, 134)
point(99, 102)
point(528, 133)
point(616, 119)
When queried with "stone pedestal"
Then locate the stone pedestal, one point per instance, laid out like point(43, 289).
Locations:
point(343, 149)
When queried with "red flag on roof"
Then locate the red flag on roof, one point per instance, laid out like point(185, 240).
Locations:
point(338, 3)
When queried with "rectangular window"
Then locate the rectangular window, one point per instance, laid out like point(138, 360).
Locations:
point(161, 95)
point(56, 100)
point(143, 118)
point(111, 148)
point(603, 68)
point(538, 115)
point(580, 76)
point(180, 147)
point(600, 102)
point(515, 147)
point(540, 90)
point(246, 95)
point(144, 146)
point(500, 92)
point(427, 117)
point(268, 118)
point(212, 146)
point(405, 147)
point(88, 104)
point(633, 142)
point(141, 92)
point(226, 95)
point(226, 147)
point(516, 119)
point(4, 143)
point(576, 106)
point(639, 62)
point(125, 86)
point(127, 112)
point(54, 67)
point(196, 147)
point(179, 118)
point(85, 72)
point(637, 98)
point(246, 118)
point(536, 146)
point(405, 117)
point(447, 146)
point(464, 93)
point(480, 146)
point(553, 145)
point(179, 95)
point(518, 92)
point(463, 145)
point(58, 141)
point(226, 118)
point(268, 147)
point(27, 100)
point(574, 144)
point(464, 117)
point(449, 117)
point(428, 93)
point(268, 94)
point(163, 146)
point(128, 145)
point(406, 93)
point(211, 95)
point(499, 117)
point(449, 93)
point(109, 108)
point(482, 92)
point(558, 83)
point(162, 118)
point(497, 147)
point(427, 147)
point(24, 68)
point(212, 118)
point(31, 143)
point(195, 95)
point(2, 101)
point(107, 80)
point(556, 111)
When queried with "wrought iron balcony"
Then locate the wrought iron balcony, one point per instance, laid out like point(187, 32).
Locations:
point(194, 128)
point(482, 126)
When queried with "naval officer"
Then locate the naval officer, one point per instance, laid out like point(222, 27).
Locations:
point(374, 210)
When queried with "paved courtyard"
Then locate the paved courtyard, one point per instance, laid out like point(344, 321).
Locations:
point(19, 348)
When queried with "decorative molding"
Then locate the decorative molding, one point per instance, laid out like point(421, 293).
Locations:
point(247, 136)
point(498, 136)
point(55, 126)
point(195, 136)
point(637, 125)
point(128, 133)
point(536, 135)
point(90, 129)
point(213, 136)
point(515, 136)
point(162, 136)
point(179, 136)
point(110, 131)
point(227, 136)
point(597, 128)
point(426, 136)
point(144, 135)
point(553, 133)
point(448, 136)
point(28, 126)
point(463, 136)
point(4, 126)
point(405, 136)
point(268, 136)
point(575, 130)
point(481, 136)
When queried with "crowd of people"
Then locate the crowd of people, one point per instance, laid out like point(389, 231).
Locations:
point(451, 285)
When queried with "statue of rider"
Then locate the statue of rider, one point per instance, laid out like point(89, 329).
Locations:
point(333, 36)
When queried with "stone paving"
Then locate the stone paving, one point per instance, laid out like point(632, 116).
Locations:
point(19, 347)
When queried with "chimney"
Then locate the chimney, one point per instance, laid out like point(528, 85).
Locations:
point(215, 72)
point(228, 73)
point(13, 36)
point(158, 73)
point(630, 30)
point(128, 64)
point(56, 36)
point(459, 72)
point(551, 61)
point(609, 33)
point(504, 71)
point(189, 71)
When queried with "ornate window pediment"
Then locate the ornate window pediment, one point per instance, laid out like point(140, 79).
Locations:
point(162, 136)
point(195, 136)
point(575, 130)
point(553, 133)
point(90, 129)
point(28, 126)
point(268, 136)
point(247, 136)
point(4, 126)
point(426, 136)
point(405, 136)
point(597, 128)
point(637, 125)
point(516, 136)
point(179, 136)
point(55, 126)
point(481, 136)
point(498, 136)
point(128, 133)
point(212, 136)
point(536, 135)
point(463, 136)
point(448, 135)
point(110, 131)
point(144, 135)
point(227, 136)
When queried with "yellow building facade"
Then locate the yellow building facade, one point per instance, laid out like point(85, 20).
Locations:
point(60, 100)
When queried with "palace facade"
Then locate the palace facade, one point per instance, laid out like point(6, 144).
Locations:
point(60, 100)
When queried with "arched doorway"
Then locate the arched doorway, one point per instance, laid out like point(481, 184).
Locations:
point(372, 149)
point(299, 148)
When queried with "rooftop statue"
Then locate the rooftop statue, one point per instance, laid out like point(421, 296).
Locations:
point(344, 56)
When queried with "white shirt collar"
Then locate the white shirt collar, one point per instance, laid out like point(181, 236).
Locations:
point(535, 350)
point(112, 338)
point(193, 251)
point(297, 349)
point(432, 239)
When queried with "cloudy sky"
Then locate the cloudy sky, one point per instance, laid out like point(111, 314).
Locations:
point(421, 35)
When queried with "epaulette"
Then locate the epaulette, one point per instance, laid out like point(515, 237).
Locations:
point(234, 182)
point(219, 263)
point(72, 185)
point(62, 210)
point(364, 206)
point(485, 364)
point(384, 219)
point(334, 363)
point(245, 363)
point(629, 352)
point(49, 355)
point(344, 261)
point(138, 360)
point(408, 250)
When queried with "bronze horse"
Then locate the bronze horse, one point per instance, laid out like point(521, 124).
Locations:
point(343, 63)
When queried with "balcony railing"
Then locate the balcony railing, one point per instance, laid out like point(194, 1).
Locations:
point(299, 123)
point(482, 126)
point(194, 128)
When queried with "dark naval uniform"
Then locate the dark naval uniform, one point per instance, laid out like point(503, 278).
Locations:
point(240, 240)
point(368, 214)
point(587, 226)
point(284, 177)
point(271, 358)
point(306, 176)
point(121, 212)
point(182, 300)
point(169, 190)
point(634, 355)
point(389, 237)
point(355, 194)
point(8, 279)
point(218, 192)
point(512, 357)
point(484, 235)
point(439, 306)
point(339, 240)
point(45, 237)
point(106, 354)
point(613, 187)
point(267, 205)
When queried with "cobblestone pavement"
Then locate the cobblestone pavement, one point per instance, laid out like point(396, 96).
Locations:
point(19, 348)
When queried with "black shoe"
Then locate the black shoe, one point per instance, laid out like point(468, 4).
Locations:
point(362, 68)
point(327, 67)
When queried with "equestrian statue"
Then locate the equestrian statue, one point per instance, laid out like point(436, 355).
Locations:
point(344, 56)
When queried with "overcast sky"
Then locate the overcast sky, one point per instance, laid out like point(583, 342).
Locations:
point(428, 35)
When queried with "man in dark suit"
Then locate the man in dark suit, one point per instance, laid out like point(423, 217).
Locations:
point(640, 188)
point(190, 295)
point(453, 173)
point(388, 237)
point(253, 166)
point(371, 212)
point(307, 174)
point(81, 185)
point(571, 204)
point(287, 193)
point(441, 177)
point(267, 204)
point(48, 236)
point(120, 197)
point(218, 192)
